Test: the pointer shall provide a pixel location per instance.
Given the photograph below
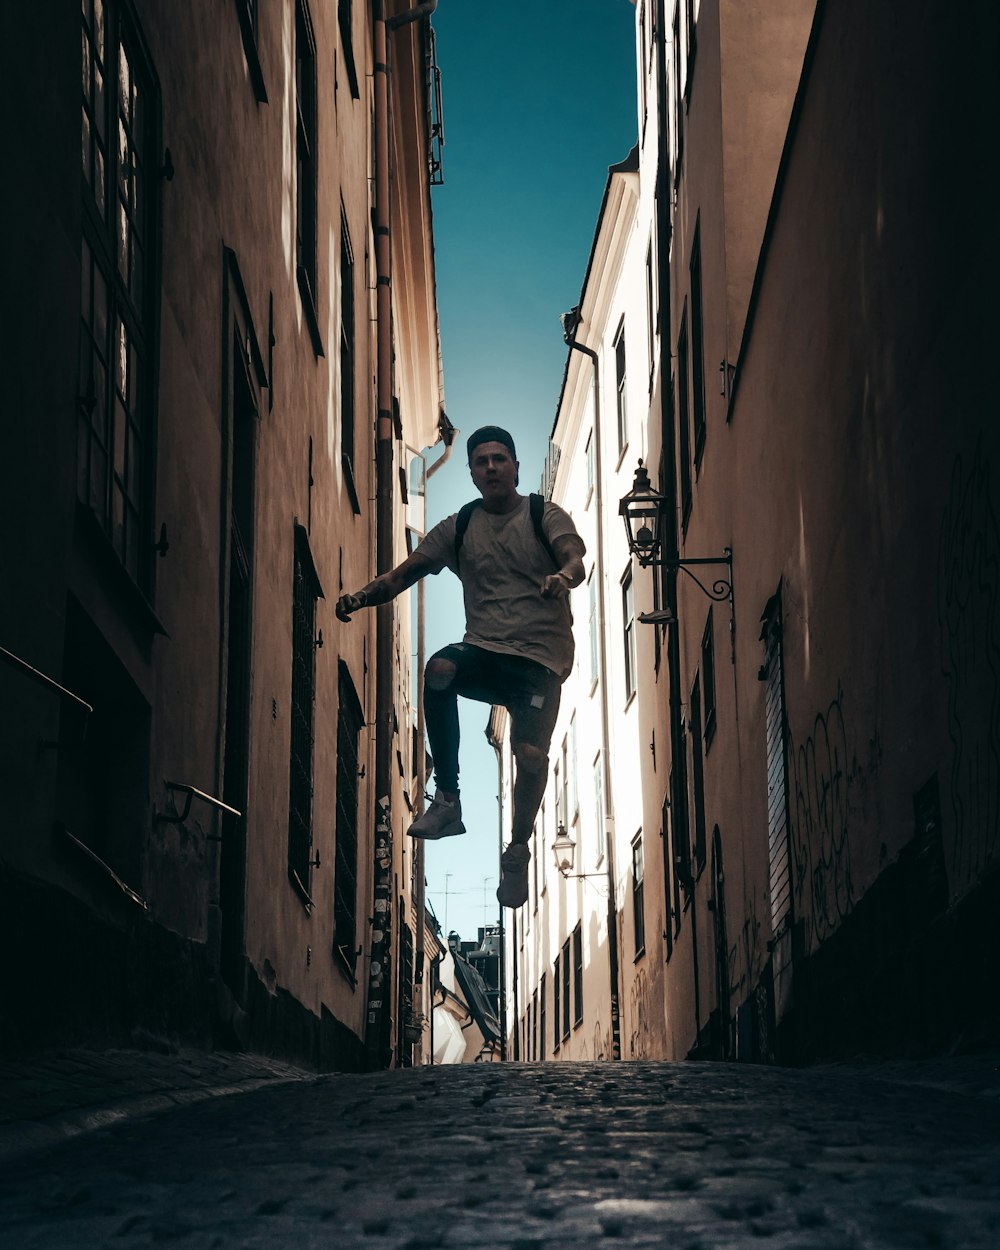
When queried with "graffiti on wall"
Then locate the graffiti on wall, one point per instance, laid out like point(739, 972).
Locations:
point(745, 955)
point(968, 595)
point(641, 1033)
point(824, 774)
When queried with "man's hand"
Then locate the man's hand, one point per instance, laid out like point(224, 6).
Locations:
point(347, 604)
point(556, 586)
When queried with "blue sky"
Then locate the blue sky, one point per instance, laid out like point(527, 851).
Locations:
point(539, 99)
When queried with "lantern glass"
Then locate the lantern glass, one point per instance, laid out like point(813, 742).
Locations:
point(641, 510)
point(564, 850)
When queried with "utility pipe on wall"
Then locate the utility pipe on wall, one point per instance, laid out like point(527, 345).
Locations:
point(570, 327)
point(678, 754)
point(381, 973)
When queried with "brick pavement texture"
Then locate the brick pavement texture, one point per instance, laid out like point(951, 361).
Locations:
point(536, 1157)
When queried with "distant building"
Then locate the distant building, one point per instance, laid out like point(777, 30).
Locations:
point(214, 395)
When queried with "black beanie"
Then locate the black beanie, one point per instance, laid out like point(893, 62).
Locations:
point(490, 434)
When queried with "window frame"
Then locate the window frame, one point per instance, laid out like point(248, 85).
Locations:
point(629, 635)
point(129, 311)
point(638, 897)
point(307, 172)
point(306, 591)
point(683, 419)
point(699, 403)
point(621, 396)
point(348, 361)
point(345, 907)
point(577, 937)
point(708, 681)
point(248, 16)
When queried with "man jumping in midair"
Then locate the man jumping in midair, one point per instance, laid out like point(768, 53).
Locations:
point(517, 558)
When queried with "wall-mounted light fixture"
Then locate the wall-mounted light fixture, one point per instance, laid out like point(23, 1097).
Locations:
point(642, 511)
point(564, 851)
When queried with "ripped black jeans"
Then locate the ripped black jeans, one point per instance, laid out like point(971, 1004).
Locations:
point(527, 689)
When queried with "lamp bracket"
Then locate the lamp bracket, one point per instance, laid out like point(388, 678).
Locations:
point(721, 588)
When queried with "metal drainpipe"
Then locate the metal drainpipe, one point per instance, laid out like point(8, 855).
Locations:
point(378, 1046)
point(411, 15)
point(448, 434)
point(678, 760)
point(609, 807)
point(502, 970)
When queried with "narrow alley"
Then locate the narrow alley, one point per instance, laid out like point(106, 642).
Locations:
point(544, 1156)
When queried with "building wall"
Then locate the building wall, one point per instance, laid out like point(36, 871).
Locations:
point(240, 375)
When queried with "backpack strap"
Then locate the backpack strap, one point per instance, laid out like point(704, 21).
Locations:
point(462, 523)
point(536, 506)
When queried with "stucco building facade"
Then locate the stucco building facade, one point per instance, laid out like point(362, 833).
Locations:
point(208, 444)
point(814, 736)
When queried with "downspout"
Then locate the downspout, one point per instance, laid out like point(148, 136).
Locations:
point(678, 760)
point(569, 329)
point(448, 435)
point(497, 746)
point(377, 1026)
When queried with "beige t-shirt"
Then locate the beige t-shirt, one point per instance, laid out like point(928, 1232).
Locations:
point(501, 569)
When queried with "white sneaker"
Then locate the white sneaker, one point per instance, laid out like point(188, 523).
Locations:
point(441, 820)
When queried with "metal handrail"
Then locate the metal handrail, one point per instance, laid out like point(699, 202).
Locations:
point(108, 871)
point(179, 787)
point(49, 683)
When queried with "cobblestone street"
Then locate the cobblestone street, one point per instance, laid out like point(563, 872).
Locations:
point(545, 1156)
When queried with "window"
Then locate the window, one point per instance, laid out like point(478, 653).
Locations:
point(772, 674)
point(567, 810)
point(671, 884)
point(534, 867)
point(638, 912)
point(590, 467)
point(306, 135)
point(571, 771)
point(247, 12)
point(541, 1017)
point(708, 680)
point(697, 350)
point(348, 361)
point(565, 988)
point(592, 627)
point(599, 805)
point(650, 314)
point(556, 1014)
point(305, 591)
point(678, 85)
point(692, 41)
point(560, 806)
point(347, 45)
point(628, 628)
point(578, 974)
point(350, 722)
point(697, 777)
point(680, 848)
point(643, 67)
point(683, 419)
point(534, 1025)
point(620, 388)
point(115, 426)
point(542, 857)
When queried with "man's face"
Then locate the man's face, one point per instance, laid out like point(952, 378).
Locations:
point(494, 470)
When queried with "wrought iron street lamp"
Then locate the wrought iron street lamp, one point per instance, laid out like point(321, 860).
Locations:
point(642, 511)
point(564, 851)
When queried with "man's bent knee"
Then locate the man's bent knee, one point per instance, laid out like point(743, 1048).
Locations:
point(531, 758)
point(439, 674)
